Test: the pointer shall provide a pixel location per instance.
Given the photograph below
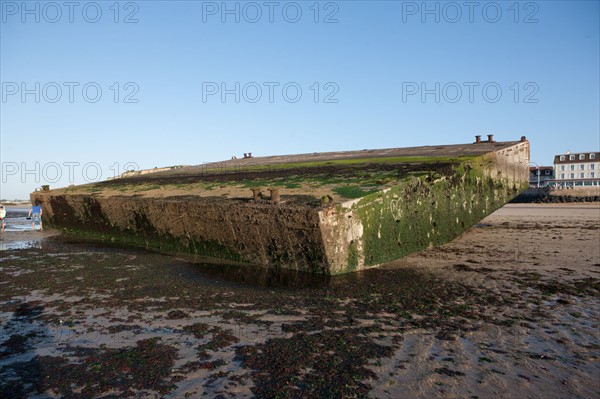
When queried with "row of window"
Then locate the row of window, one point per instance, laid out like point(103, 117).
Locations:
point(591, 166)
point(581, 157)
point(581, 175)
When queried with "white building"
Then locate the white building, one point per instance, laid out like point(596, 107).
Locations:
point(577, 170)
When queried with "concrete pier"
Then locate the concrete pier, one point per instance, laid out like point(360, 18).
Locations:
point(327, 213)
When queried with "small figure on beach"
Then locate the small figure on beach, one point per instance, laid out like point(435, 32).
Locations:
point(35, 213)
point(2, 217)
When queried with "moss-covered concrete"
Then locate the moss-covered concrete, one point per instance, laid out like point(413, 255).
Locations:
point(371, 212)
point(240, 231)
point(420, 213)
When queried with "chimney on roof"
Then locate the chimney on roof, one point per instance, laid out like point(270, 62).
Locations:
point(491, 138)
point(477, 139)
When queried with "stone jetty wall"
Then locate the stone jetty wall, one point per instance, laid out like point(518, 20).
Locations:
point(416, 214)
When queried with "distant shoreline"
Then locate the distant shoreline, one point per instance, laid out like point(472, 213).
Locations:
point(16, 204)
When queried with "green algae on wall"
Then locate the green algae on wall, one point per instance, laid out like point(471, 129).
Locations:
point(426, 212)
point(415, 207)
point(263, 234)
point(167, 243)
point(86, 218)
point(353, 257)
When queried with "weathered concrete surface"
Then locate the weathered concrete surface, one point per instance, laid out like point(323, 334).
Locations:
point(243, 231)
point(422, 213)
point(344, 211)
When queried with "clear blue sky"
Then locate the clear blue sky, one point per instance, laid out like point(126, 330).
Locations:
point(370, 63)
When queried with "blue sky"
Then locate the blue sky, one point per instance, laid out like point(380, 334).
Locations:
point(361, 67)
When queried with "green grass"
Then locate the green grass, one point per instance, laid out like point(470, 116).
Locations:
point(354, 182)
point(350, 185)
point(147, 188)
point(342, 162)
point(361, 161)
point(352, 192)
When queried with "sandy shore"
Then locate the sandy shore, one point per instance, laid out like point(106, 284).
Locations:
point(542, 340)
point(510, 309)
point(542, 238)
point(13, 240)
point(27, 236)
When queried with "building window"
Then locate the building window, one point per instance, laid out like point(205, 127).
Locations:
point(581, 157)
point(582, 167)
point(562, 157)
point(572, 167)
point(592, 175)
point(562, 168)
point(571, 157)
point(546, 172)
point(582, 175)
point(591, 166)
point(592, 156)
point(562, 176)
point(572, 175)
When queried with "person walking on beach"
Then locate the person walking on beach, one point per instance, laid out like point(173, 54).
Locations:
point(2, 217)
point(35, 213)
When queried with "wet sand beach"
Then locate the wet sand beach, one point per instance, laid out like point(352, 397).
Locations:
point(510, 310)
point(19, 233)
point(25, 236)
